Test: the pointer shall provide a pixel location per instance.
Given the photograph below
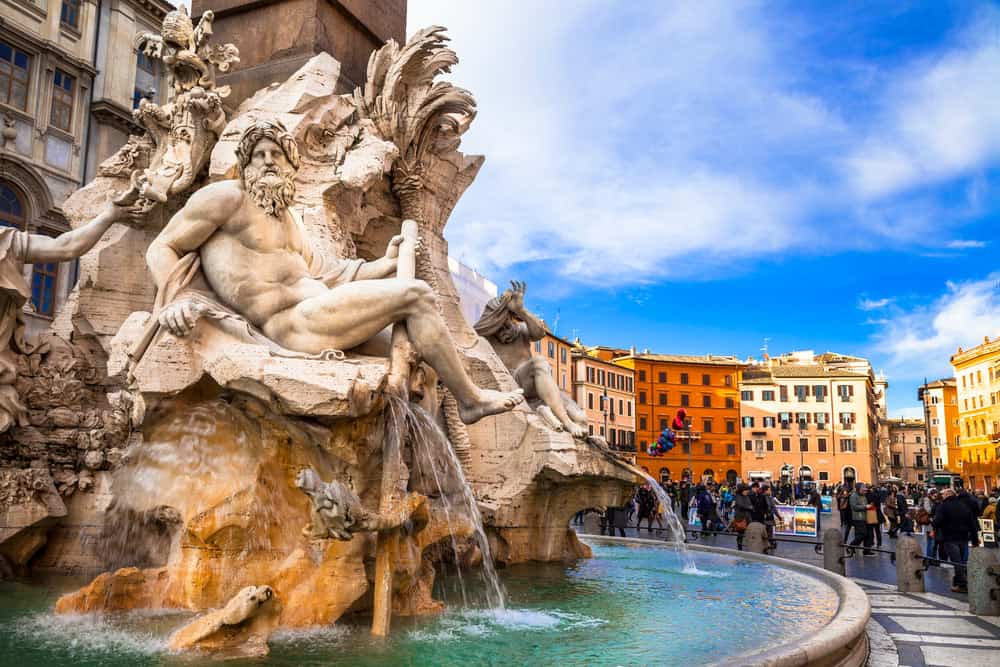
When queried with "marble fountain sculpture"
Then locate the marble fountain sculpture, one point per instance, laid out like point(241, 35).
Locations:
point(261, 402)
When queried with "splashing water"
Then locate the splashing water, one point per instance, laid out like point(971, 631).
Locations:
point(677, 536)
point(432, 444)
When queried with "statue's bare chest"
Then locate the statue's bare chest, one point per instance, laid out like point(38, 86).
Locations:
point(261, 233)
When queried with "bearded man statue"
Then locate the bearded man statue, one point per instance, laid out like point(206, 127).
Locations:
point(247, 242)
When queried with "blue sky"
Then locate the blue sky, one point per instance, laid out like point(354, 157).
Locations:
point(695, 177)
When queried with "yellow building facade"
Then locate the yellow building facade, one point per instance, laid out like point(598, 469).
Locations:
point(977, 382)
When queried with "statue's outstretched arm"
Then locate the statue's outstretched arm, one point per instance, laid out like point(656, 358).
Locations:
point(73, 244)
point(535, 327)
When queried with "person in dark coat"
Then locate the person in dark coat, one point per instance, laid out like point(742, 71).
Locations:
point(647, 506)
point(954, 525)
point(706, 508)
point(742, 513)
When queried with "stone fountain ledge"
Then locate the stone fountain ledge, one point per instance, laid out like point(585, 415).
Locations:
point(843, 642)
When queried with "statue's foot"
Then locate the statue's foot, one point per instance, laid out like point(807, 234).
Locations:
point(577, 431)
point(490, 403)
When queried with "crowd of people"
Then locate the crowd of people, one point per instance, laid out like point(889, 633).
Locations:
point(947, 518)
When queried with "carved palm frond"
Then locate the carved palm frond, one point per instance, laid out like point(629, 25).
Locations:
point(401, 97)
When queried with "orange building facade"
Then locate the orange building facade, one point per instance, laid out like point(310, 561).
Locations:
point(707, 387)
point(558, 352)
point(605, 391)
point(940, 400)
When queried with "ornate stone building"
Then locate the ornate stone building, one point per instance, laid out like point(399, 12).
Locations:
point(908, 450)
point(977, 380)
point(68, 77)
point(940, 401)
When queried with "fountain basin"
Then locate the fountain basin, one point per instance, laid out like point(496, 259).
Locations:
point(633, 603)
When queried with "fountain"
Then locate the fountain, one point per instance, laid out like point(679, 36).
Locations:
point(270, 429)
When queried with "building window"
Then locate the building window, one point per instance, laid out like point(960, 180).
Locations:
point(746, 395)
point(770, 445)
point(821, 444)
point(708, 449)
point(706, 401)
point(803, 445)
point(600, 378)
point(786, 444)
point(730, 403)
point(684, 378)
point(706, 379)
point(824, 476)
point(706, 425)
point(730, 426)
point(538, 348)
point(663, 424)
point(731, 449)
point(783, 393)
point(819, 391)
point(662, 376)
point(642, 423)
point(848, 445)
point(768, 421)
point(642, 376)
point(621, 407)
point(747, 422)
point(767, 395)
point(590, 375)
point(895, 461)
point(12, 209)
point(920, 461)
point(562, 354)
point(43, 287)
point(70, 15)
point(552, 350)
point(628, 408)
point(642, 398)
point(748, 445)
point(801, 392)
point(14, 66)
point(590, 400)
point(61, 115)
point(729, 380)
point(686, 447)
point(662, 398)
point(845, 391)
point(685, 400)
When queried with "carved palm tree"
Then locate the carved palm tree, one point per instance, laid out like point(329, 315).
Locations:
point(416, 113)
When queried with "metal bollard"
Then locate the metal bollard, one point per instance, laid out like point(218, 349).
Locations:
point(984, 581)
point(755, 538)
point(591, 524)
point(909, 565)
point(833, 553)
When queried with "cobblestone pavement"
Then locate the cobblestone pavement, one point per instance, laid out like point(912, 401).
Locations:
point(932, 629)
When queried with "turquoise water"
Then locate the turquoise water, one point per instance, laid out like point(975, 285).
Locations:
point(626, 606)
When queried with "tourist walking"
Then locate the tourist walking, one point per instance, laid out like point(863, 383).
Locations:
point(647, 503)
point(891, 505)
point(859, 519)
point(954, 526)
point(844, 507)
point(875, 503)
point(742, 513)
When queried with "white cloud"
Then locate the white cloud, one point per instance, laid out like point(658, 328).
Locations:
point(940, 117)
point(964, 244)
point(919, 342)
point(873, 304)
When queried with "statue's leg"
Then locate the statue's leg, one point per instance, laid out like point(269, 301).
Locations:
point(575, 412)
point(547, 390)
point(349, 315)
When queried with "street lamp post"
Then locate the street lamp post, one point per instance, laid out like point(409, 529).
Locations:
point(927, 431)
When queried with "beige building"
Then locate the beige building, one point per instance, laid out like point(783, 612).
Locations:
point(940, 401)
point(66, 117)
point(558, 352)
point(605, 391)
point(908, 452)
point(818, 414)
point(977, 383)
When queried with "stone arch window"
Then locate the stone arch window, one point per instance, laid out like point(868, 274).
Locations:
point(731, 476)
point(664, 475)
point(849, 475)
point(14, 213)
point(13, 209)
point(709, 473)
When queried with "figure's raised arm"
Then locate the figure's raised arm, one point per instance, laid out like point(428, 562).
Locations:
point(535, 327)
point(206, 211)
point(75, 243)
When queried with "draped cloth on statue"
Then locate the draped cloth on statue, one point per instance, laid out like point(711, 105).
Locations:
point(14, 293)
point(186, 281)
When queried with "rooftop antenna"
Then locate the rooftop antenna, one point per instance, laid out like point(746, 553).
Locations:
point(555, 323)
point(764, 349)
point(573, 335)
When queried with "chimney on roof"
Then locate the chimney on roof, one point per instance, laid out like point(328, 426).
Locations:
point(631, 350)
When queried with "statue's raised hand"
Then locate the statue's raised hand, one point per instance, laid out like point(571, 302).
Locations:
point(392, 250)
point(517, 290)
point(179, 317)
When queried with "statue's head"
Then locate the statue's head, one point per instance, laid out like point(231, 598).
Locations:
point(268, 158)
point(177, 29)
point(498, 320)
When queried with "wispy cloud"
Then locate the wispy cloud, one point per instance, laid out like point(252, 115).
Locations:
point(919, 341)
point(964, 244)
point(939, 117)
point(873, 304)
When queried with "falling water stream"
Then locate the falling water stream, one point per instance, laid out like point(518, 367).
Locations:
point(430, 443)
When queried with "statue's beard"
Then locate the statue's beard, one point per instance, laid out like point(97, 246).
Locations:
point(270, 188)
